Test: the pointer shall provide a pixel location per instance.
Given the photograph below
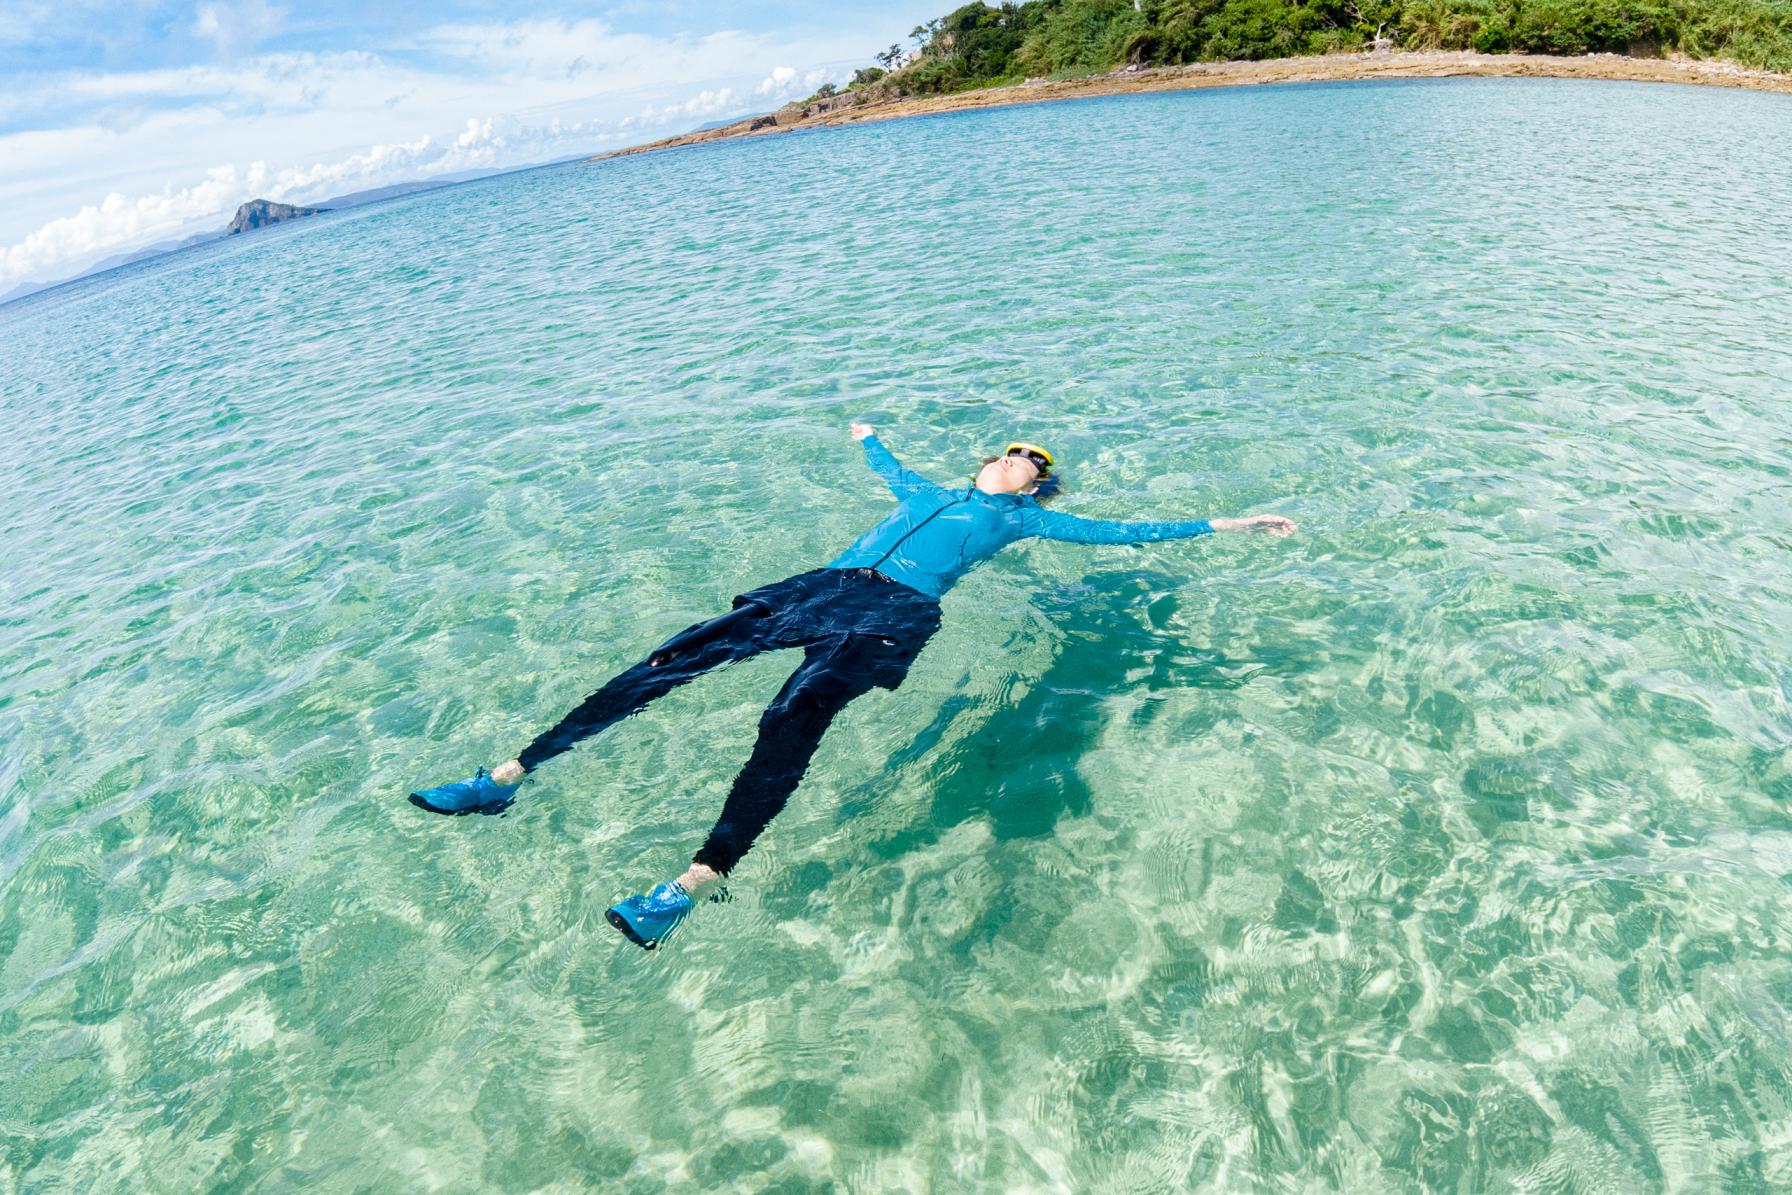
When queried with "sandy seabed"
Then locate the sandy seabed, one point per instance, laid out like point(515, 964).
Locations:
point(1329, 68)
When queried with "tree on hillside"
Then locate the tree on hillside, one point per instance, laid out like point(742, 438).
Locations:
point(978, 44)
point(982, 39)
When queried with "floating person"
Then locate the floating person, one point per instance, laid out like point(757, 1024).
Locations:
point(861, 620)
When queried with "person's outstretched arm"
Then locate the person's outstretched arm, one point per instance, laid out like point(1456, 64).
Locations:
point(902, 482)
point(1049, 524)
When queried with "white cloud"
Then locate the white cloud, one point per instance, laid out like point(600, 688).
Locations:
point(29, 22)
point(276, 79)
point(547, 49)
point(116, 222)
point(777, 82)
point(303, 126)
point(20, 23)
point(69, 243)
point(234, 28)
point(784, 83)
point(704, 103)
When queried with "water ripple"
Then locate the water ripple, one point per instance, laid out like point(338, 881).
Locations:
point(1441, 847)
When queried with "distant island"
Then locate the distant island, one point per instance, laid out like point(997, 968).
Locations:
point(980, 56)
point(258, 213)
point(246, 219)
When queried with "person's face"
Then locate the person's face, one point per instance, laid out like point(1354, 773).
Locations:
point(1013, 474)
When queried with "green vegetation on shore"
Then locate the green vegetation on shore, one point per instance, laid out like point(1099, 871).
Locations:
point(978, 45)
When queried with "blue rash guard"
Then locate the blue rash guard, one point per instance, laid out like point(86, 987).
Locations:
point(936, 535)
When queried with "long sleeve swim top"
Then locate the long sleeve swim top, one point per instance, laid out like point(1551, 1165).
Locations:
point(936, 535)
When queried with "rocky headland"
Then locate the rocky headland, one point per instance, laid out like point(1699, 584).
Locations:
point(852, 107)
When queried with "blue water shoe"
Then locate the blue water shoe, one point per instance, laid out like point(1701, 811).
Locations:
point(481, 794)
point(645, 920)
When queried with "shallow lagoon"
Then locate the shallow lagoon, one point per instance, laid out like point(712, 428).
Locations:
point(1441, 847)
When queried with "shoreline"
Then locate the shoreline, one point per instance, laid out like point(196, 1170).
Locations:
point(1329, 68)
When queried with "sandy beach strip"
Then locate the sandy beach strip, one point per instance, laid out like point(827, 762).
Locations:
point(1329, 68)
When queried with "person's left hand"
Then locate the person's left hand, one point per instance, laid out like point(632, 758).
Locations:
point(859, 430)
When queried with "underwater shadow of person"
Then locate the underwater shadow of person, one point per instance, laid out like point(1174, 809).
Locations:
point(1019, 769)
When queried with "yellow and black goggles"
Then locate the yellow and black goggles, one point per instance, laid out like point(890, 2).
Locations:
point(1041, 459)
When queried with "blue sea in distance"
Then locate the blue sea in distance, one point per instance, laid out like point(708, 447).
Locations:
point(1442, 847)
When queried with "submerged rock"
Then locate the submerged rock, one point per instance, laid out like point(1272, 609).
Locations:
point(259, 212)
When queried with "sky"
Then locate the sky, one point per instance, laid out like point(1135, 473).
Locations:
point(128, 122)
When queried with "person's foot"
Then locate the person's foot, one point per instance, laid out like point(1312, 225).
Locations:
point(646, 920)
point(481, 794)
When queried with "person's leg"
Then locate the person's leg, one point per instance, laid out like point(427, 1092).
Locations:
point(686, 656)
point(739, 633)
point(831, 676)
point(868, 637)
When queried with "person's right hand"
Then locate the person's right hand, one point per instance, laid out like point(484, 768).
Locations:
point(860, 430)
point(1276, 525)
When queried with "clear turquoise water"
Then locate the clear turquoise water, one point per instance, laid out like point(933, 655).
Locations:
point(1442, 847)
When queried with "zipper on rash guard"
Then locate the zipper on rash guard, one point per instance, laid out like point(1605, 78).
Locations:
point(964, 497)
